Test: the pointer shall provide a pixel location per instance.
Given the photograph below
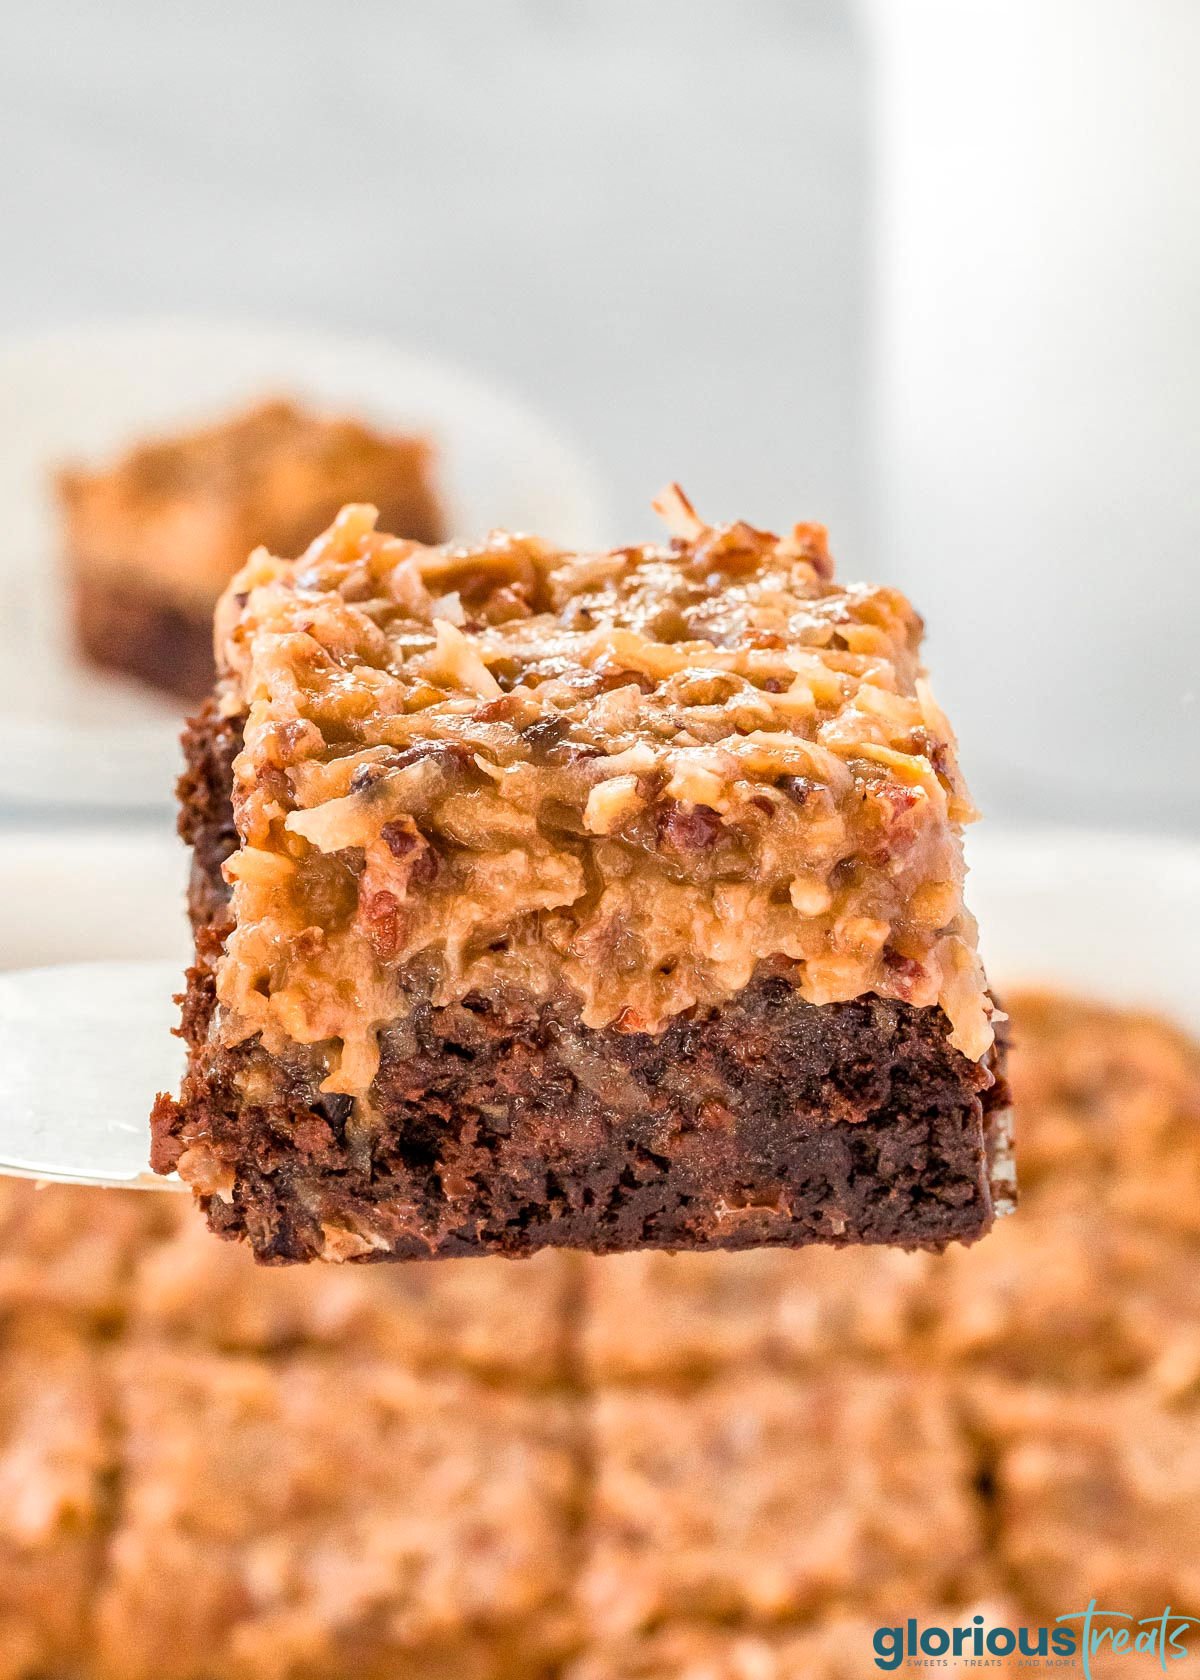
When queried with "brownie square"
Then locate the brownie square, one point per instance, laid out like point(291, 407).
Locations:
point(153, 539)
point(71, 1251)
point(669, 1317)
point(765, 1498)
point(1068, 1294)
point(498, 1318)
point(597, 901)
point(1096, 1496)
point(55, 1460)
point(1117, 1099)
point(326, 1518)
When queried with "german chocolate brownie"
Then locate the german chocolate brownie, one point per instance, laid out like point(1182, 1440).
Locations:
point(600, 901)
point(153, 539)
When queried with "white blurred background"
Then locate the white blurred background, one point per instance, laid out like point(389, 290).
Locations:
point(924, 269)
point(646, 217)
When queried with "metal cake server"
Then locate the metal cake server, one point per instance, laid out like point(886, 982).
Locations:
point(84, 1048)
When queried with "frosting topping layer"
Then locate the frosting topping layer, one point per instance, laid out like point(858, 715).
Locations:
point(634, 776)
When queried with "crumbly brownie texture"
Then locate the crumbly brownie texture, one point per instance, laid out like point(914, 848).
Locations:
point(210, 745)
point(153, 540)
point(164, 1497)
point(539, 935)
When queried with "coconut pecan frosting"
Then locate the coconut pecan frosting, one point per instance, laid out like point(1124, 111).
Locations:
point(631, 777)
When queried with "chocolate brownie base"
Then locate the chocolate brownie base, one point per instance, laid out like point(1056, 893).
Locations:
point(127, 628)
point(210, 745)
point(505, 1126)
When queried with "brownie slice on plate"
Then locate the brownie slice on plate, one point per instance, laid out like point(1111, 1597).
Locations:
point(153, 539)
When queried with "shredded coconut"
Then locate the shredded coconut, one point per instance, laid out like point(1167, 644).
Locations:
point(632, 776)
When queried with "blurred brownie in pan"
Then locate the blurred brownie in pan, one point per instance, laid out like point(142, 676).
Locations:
point(503, 1321)
point(604, 901)
point(1095, 1493)
point(153, 540)
point(55, 1475)
point(829, 1489)
point(675, 1318)
point(842, 1646)
point(329, 1519)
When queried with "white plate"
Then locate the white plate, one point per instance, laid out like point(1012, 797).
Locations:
point(72, 738)
point(1113, 916)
